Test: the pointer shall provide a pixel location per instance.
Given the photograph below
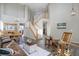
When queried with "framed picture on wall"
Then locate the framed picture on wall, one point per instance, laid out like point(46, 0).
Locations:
point(61, 25)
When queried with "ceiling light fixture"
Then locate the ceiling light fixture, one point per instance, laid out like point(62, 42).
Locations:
point(73, 12)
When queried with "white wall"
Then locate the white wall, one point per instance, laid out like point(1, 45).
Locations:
point(14, 12)
point(61, 12)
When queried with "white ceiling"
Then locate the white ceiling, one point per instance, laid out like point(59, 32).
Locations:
point(36, 7)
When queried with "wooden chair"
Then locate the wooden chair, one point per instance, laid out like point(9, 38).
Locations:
point(64, 42)
point(49, 42)
point(61, 44)
point(66, 37)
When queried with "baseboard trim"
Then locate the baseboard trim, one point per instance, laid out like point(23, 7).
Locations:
point(76, 44)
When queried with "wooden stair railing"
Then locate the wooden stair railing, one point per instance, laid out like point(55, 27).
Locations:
point(33, 29)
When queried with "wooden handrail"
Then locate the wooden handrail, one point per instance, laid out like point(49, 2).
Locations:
point(32, 32)
point(37, 21)
point(36, 30)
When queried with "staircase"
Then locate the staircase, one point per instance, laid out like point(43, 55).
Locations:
point(35, 28)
